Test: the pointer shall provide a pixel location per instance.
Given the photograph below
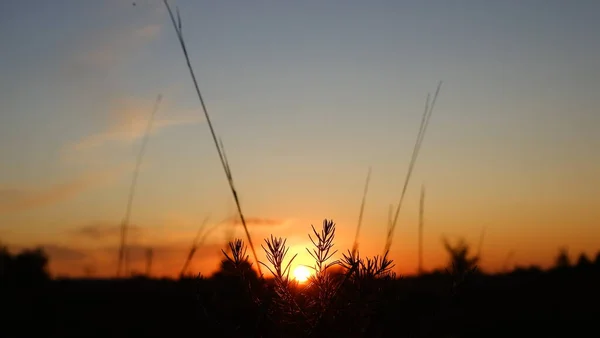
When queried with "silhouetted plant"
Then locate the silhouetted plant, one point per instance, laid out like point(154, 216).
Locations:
point(237, 262)
point(368, 268)
point(284, 309)
point(460, 261)
point(177, 25)
point(321, 280)
point(429, 105)
point(5, 259)
point(367, 292)
point(583, 261)
point(339, 290)
point(32, 265)
point(461, 264)
point(28, 267)
point(237, 294)
point(562, 259)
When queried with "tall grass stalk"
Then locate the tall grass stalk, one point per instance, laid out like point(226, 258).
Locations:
point(417, 147)
point(123, 252)
point(390, 216)
point(361, 213)
point(276, 252)
point(199, 241)
point(421, 225)
point(177, 25)
point(507, 260)
point(194, 247)
point(149, 258)
point(480, 245)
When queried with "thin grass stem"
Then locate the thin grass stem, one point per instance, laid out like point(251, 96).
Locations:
point(420, 136)
point(125, 224)
point(177, 25)
point(361, 213)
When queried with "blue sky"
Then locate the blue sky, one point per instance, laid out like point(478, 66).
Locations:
point(306, 96)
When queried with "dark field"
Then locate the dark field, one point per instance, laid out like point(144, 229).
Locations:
point(525, 303)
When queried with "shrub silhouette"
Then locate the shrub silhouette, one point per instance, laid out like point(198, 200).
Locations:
point(342, 297)
point(5, 262)
point(583, 261)
point(229, 269)
point(460, 262)
point(25, 268)
point(562, 260)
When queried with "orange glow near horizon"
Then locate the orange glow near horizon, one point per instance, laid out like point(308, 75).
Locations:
point(90, 250)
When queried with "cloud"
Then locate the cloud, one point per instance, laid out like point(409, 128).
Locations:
point(167, 259)
point(55, 252)
point(103, 231)
point(76, 260)
point(94, 65)
point(128, 121)
point(147, 32)
point(63, 253)
point(21, 199)
point(110, 48)
point(167, 252)
point(259, 221)
point(92, 249)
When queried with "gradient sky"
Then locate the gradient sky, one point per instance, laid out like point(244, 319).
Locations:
point(306, 96)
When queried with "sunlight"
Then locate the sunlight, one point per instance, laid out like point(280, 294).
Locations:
point(301, 273)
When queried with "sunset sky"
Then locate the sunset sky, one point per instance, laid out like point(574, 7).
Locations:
point(306, 95)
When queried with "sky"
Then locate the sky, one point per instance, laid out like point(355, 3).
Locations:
point(306, 96)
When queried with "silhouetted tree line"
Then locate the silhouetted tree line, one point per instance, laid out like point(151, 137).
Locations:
point(27, 267)
point(31, 265)
point(563, 261)
point(459, 298)
point(441, 299)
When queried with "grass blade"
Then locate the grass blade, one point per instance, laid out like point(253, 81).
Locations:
point(124, 226)
point(177, 26)
point(420, 136)
point(421, 225)
point(360, 215)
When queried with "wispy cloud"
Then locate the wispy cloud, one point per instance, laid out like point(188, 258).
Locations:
point(147, 32)
point(95, 245)
point(261, 221)
point(63, 253)
point(21, 199)
point(54, 251)
point(128, 119)
point(98, 244)
point(113, 47)
point(102, 231)
point(74, 260)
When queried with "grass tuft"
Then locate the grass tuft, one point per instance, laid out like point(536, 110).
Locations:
point(332, 298)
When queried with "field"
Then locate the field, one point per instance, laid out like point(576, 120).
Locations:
point(527, 302)
point(342, 294)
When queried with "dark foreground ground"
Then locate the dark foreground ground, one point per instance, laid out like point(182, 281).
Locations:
point(525, 303)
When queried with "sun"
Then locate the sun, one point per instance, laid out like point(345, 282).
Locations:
point(301, 273)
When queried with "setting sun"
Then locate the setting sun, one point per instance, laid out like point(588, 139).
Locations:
point(301, 273)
